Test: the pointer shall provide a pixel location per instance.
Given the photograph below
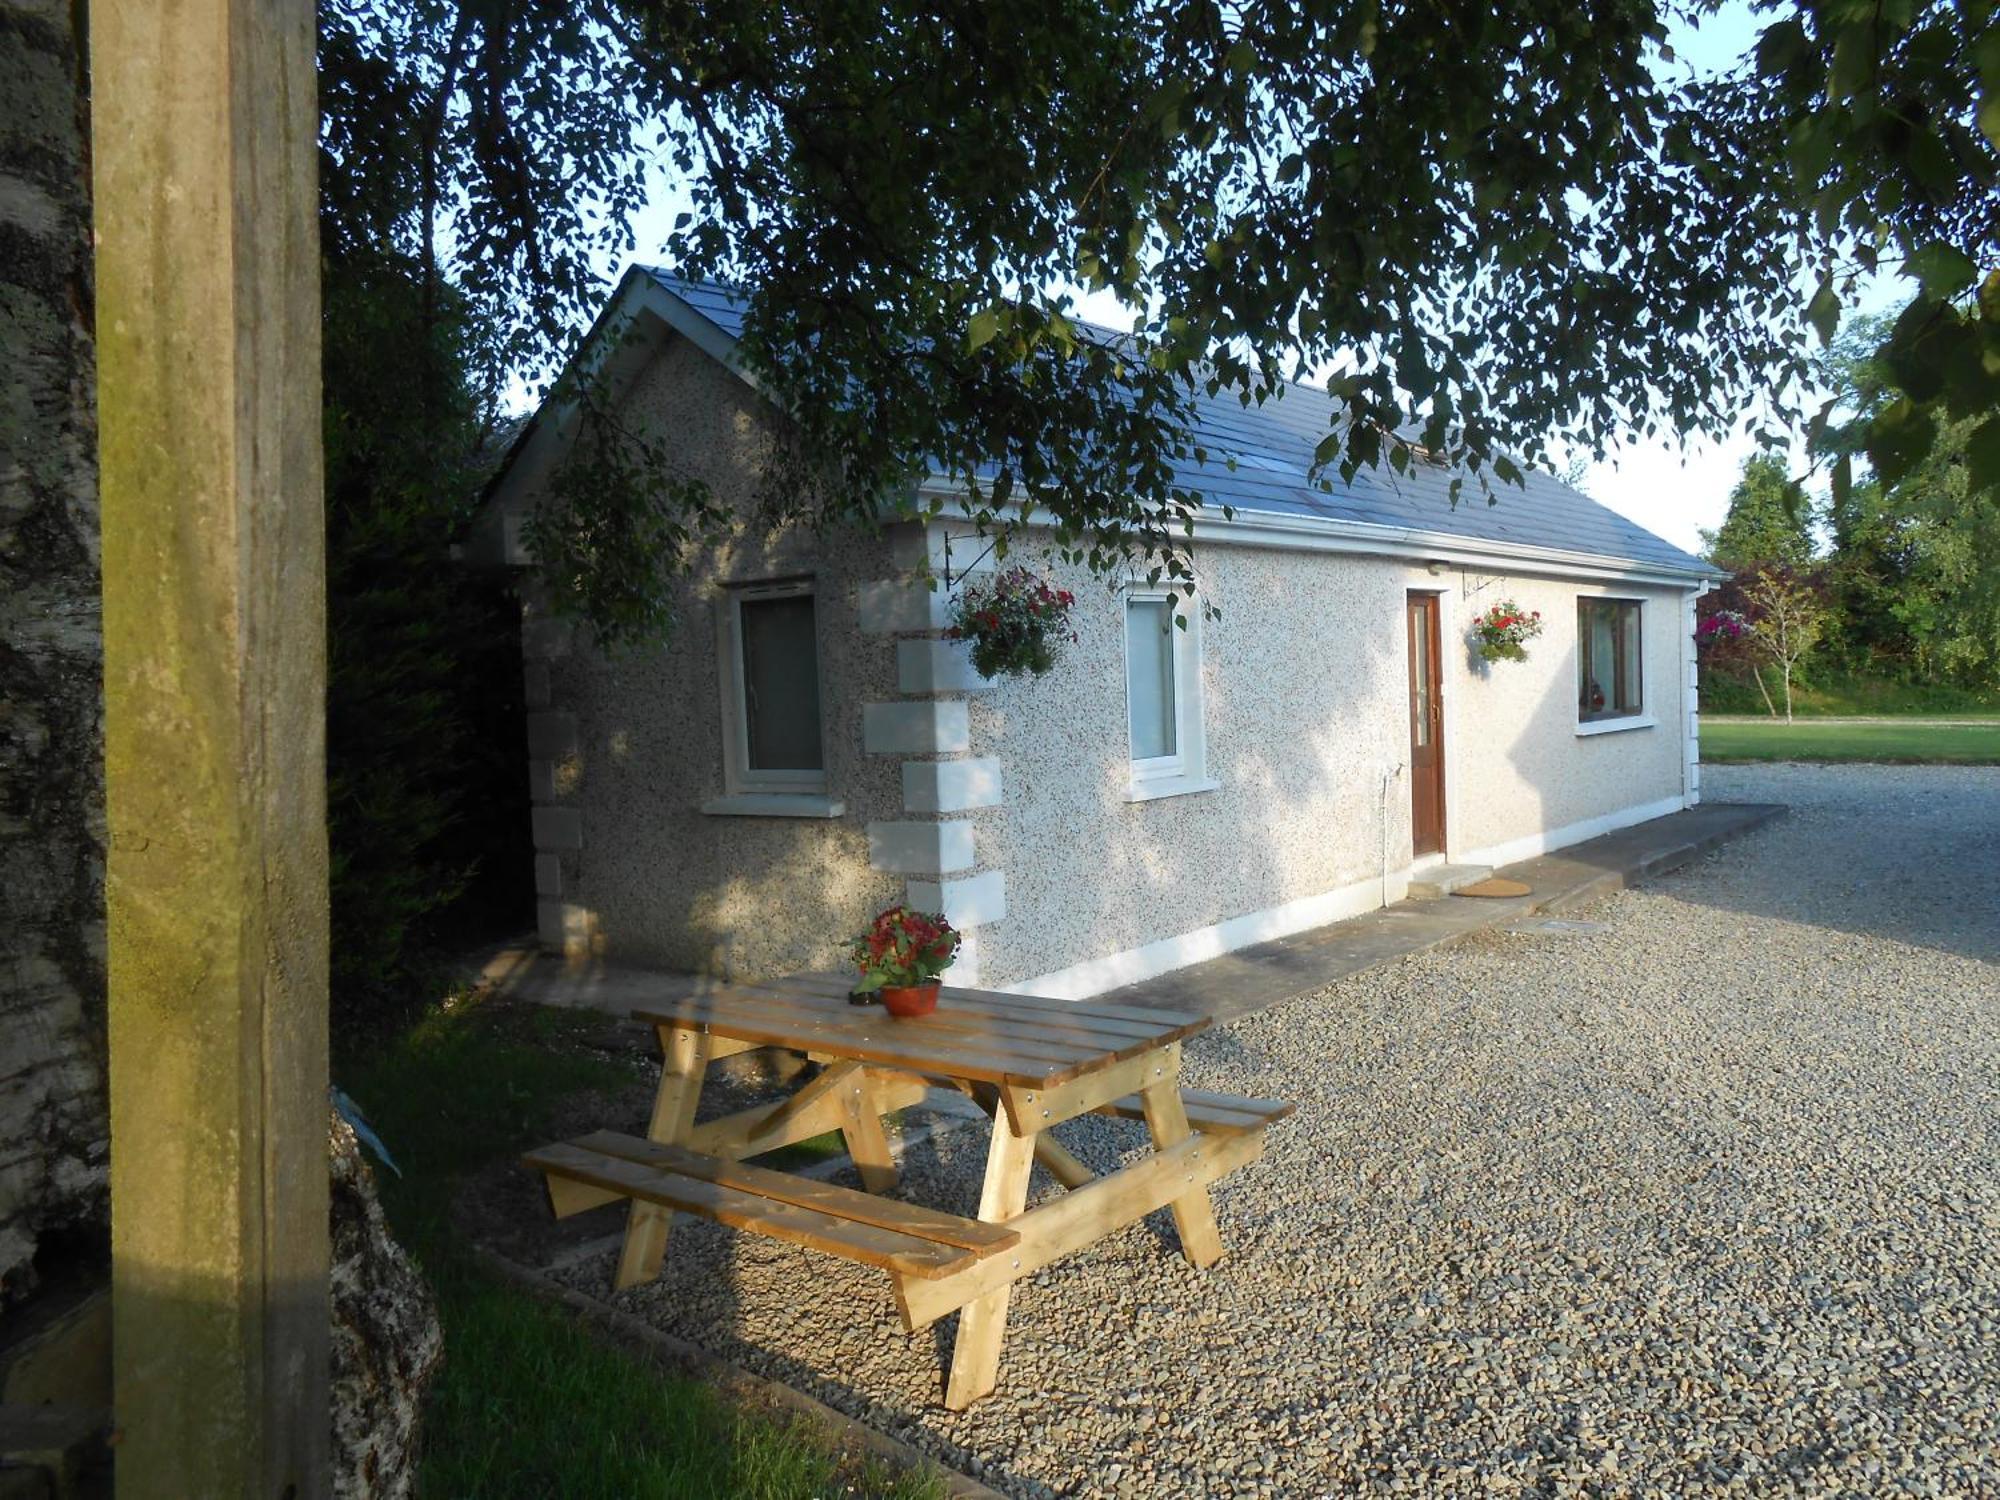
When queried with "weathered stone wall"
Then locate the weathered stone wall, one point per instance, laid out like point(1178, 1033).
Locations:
point(53, 1134)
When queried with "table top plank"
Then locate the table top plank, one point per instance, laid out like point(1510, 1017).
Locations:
point(937, 1054)
point(1053, 1035)
point(979, 1035)
point(966, 1034)
point(1068, 1015)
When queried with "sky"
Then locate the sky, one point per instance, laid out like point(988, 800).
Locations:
point(1675, 488)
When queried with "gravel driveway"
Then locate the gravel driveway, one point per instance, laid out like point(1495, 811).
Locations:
point(1705, 1197)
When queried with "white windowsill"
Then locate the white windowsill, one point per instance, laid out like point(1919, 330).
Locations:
point(774, 805)
point(1613, 726)
point(1169, 786)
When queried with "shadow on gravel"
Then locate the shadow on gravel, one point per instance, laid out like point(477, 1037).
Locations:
point(1907, 854)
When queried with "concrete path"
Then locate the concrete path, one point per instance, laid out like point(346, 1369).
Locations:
point(1267, 974)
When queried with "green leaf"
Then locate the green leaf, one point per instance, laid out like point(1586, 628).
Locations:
point(1823, 312)
point(1982, 457)
point(1899, 439)
point(1328, 449)
point(1779, 47)
point(984, 328)
point(1943, 269)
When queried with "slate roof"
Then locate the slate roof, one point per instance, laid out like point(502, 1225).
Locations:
point(1273, 447)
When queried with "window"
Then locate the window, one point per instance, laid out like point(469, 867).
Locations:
point(772, 741)
point(1163, 696)
point(1608, 657)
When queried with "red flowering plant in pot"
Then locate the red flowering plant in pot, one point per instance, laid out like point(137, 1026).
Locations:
point(900, 957)
point(1503, 632)
point(1016, 623)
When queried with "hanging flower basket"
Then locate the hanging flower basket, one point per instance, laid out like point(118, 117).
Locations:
point(1503, 632)
point(1016, 624)
point(1722, 627)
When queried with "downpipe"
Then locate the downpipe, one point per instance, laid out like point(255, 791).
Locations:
point(1389, 777)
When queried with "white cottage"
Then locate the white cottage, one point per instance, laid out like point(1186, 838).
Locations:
point(809, 748)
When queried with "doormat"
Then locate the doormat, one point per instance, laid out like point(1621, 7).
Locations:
point(1494, 886)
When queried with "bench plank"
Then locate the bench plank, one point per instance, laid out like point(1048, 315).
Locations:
point(1219, 1114)
point(829, 1198)
point(902, 1254)
point(905, 1237)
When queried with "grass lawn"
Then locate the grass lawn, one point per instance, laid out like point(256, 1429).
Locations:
point(530, 1402)
point(1915, 741)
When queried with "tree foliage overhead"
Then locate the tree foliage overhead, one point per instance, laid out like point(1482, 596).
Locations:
point(1498, 226)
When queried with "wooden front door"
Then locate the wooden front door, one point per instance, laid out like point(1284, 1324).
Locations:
point(1426, 728)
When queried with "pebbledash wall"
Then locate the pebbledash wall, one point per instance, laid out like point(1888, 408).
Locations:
point(1007, 804)
point(625, 749)
point(1305, 709)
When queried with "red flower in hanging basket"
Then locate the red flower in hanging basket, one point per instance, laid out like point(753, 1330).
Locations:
point(1013, 622)
point(1502, 633)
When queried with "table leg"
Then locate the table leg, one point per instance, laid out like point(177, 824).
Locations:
point(867, 1143)
point(1194, 1217)
point(975, 1357)
point(684, 1062)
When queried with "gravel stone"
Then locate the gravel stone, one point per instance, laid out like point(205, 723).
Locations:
point(1705, 1199)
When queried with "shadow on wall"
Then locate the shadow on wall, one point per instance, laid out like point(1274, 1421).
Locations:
point(1298, 741)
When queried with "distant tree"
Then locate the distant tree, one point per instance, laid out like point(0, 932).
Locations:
point(1915, 572)
point(1769, 520)
point(1788, 614)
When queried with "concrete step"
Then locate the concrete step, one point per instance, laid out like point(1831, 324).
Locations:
point(1442, 880)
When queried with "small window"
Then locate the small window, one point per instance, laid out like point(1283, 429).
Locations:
point(771, 658)
point(1163, 695)
point(1149, 680)
point(1608, 657)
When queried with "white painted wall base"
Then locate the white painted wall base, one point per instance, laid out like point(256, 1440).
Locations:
point(1516, 850)
point(1095, 976)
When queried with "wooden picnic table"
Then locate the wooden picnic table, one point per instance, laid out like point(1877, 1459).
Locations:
point(1030, 1062)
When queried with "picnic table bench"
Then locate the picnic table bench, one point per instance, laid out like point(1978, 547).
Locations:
point(1031, 1063)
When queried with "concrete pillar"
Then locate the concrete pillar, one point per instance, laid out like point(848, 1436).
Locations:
point(204, 120)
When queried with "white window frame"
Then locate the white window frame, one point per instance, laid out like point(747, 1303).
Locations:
point(1616, 720)
point(771, 793)
point(1187, 769)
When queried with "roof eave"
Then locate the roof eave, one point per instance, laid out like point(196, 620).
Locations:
point(1295, 533)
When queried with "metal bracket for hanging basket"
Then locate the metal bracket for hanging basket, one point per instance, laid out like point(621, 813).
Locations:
point(948, 580)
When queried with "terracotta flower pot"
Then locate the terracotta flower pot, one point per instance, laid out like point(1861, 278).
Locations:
point(907, 1000)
